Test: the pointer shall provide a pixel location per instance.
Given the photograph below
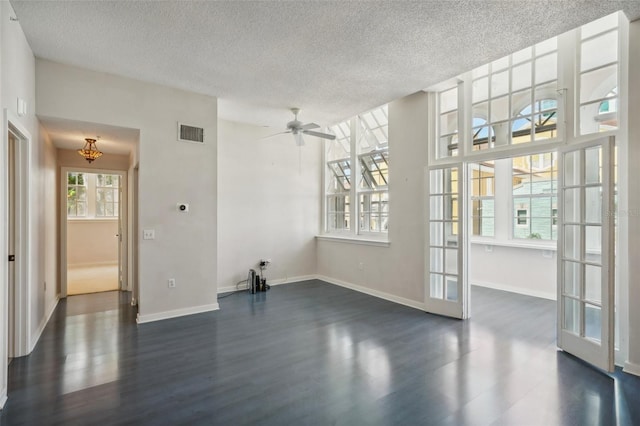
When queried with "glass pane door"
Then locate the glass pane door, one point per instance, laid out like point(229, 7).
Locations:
point(585, 248)
point(446, 293)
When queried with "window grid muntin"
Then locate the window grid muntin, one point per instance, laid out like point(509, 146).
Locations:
point(77, 197)
point(340, 180)
point(447, 145)
point(107, 186)
point(590, 108)
point(372, 144)
point(375, 123)
point(481, 194)
point(374, 211)
point(582, 260)
point(444, 194)
point(338, 212)
point(534, 88)
point(374, 169)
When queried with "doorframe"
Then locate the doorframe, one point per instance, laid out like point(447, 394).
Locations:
point(123, 259)
point(22, 289)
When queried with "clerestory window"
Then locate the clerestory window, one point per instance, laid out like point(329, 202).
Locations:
point(358, 169)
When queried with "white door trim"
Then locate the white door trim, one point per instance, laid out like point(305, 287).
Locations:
point(122, 224)
point(22, 322)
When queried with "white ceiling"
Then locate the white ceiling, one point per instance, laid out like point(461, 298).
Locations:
point(68, 134)
point(333, 59)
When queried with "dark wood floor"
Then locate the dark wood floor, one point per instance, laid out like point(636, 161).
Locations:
point(311, 353)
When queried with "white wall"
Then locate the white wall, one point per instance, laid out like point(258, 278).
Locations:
point(170, 172)
point(269, 196)
point(70, 158)
point(17, 79)
point(501, 267)
point(396, 271)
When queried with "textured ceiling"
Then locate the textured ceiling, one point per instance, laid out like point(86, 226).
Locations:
point(332, 59)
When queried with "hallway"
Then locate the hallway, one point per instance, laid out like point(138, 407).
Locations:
point(311, 353)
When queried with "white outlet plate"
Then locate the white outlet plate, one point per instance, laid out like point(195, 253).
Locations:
point(148, 234)
point(171, 282)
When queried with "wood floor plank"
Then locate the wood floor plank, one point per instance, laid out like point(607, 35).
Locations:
point(311, 353)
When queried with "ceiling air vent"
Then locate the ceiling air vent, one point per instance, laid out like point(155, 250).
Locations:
point(190, 133)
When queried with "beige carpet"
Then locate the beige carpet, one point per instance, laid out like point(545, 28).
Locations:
point(94, 279)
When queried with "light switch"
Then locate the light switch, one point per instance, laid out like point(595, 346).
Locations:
point(148, 234)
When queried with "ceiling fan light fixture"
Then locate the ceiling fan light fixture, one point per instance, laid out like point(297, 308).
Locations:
point(297, 129)
point(90, 151)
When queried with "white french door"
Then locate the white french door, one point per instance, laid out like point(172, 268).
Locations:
point(446, 289)
point(586, 252)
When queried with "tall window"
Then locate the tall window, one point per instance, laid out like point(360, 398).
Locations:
point(483, 198)
point(535, 205)
point(598, 80)
point(339, 170)
point(447, 145)
point(107, 187)
point(76, 195)
point(358, 169)
point(373, 188)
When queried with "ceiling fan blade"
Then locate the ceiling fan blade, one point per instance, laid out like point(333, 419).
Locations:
point(309, 126)
point(275, 134)
point(299, 139)
point(319, 135)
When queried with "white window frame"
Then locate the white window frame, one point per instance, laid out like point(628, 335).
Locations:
point(357, 126)
point(115, 196)
point(568, 134)
point(90, 178)
point(480, 199)
point(85, 185)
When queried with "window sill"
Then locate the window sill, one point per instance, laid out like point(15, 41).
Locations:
point(352, 239)
point(516, 244)
point(92, 219)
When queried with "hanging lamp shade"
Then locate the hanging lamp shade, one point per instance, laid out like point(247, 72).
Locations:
point(90, 150)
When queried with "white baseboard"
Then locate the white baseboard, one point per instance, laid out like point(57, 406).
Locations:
point(518, 290)
point(43, 324)
point(376, 293)
point(93, 264)
point(277, 281)
point(631, 368)
point(3, 398)
point(176, 313)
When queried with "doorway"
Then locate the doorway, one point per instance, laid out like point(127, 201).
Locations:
point(16, 150)
point(93, 231)
point(513, 224)
point(556, 203)
point(11, 239)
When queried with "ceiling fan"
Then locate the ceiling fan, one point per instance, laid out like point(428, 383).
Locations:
point(296, 128)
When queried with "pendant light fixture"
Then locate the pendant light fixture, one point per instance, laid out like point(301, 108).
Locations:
point(90, 150)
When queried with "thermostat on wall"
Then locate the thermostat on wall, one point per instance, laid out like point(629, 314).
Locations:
point(183, 207)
